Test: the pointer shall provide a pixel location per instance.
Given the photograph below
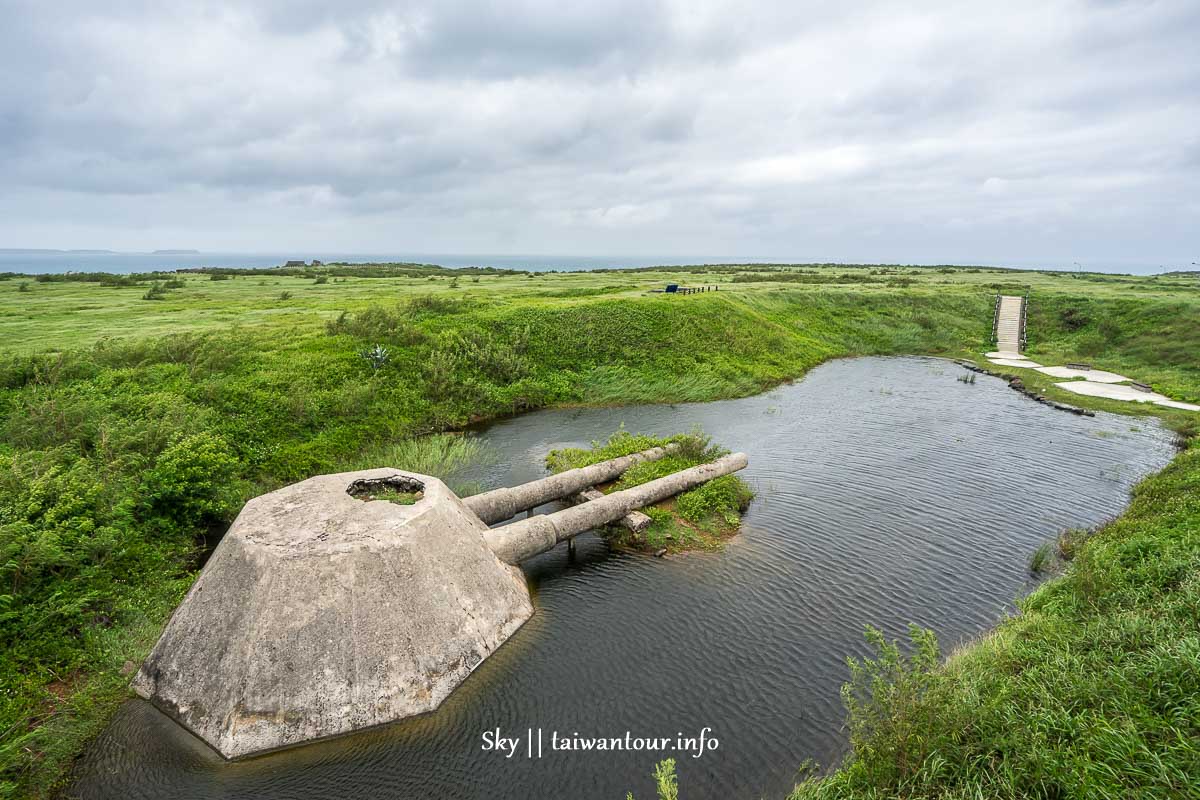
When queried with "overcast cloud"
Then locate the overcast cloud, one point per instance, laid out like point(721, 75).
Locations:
point(1021, 131)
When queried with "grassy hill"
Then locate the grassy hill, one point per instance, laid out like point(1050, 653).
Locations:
point(138, 414)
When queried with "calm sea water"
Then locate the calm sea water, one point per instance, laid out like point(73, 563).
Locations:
point(887, 493)
point(38, 263)
point(45, 262)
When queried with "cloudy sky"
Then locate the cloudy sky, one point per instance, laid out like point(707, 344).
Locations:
point(1024, 131)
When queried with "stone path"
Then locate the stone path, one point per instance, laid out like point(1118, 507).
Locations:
point(1094, 375)
point(1009, 335)
point(1115, 391)
point(1095, 383)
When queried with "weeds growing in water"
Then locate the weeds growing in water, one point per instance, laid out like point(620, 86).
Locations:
point(968, 378)
point(666, 783)
point(1069, 542)
point(1089, 692)
point(1042, 559)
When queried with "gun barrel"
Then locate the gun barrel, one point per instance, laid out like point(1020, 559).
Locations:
point(501, 504)
point(516, 542)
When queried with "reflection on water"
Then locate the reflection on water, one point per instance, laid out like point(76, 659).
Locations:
point(888, 493)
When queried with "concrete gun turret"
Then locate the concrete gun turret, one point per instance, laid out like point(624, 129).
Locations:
point(320, 614)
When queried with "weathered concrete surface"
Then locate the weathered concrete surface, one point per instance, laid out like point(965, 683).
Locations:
point(321, 614)
point(1023, 363)
point(520, 540)
point(501, 504)
point(634, 521)
point(1095, 375)
point(1118, 392)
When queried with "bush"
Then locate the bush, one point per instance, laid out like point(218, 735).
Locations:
point(725, 497)
point(487, 355)
point(431, 305)
point(887, 702)
point(190, 483)
point(377, 324)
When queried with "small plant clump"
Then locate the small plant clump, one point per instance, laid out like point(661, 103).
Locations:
point(666, 782)
point(1042, 559)
point(396, 496)
point(377, 357)
point(702, 518)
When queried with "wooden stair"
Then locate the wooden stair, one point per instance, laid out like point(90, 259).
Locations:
point(1009, 328)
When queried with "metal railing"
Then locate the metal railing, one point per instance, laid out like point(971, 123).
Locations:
point(996, 322)
point(1024, 308)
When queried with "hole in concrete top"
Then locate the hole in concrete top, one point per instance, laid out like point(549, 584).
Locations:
point(397, 489)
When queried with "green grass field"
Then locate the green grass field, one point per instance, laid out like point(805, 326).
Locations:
point(134, 429)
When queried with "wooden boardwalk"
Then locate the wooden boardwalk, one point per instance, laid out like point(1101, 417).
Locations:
point(1008, 328)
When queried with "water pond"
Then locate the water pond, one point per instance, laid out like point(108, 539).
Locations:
point(888, 492)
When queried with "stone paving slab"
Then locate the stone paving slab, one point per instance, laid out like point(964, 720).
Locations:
point(1094, 375)
point(1119, 392)
point(1023, 363)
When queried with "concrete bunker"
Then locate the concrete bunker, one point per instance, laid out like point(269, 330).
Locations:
point(320, 614)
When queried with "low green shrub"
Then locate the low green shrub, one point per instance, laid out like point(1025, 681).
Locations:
point(191, 482)
point(725, 497)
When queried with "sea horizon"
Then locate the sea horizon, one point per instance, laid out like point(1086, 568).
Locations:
point(37, 261)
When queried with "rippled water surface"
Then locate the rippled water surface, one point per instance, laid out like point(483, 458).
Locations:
point(888, 492)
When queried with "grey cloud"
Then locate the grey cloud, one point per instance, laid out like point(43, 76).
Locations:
point(1017, 129)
